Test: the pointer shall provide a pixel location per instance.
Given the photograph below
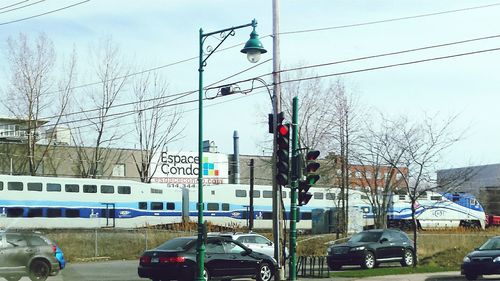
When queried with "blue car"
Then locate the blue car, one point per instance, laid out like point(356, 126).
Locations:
point(60, 257)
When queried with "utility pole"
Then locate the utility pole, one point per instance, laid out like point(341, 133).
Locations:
point(277, 220)
point(293, 192)
point(251, 215)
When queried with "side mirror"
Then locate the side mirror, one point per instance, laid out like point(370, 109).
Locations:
point(383, 240)
point(270, 243)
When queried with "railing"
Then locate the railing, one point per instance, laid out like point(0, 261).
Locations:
point(312, 266)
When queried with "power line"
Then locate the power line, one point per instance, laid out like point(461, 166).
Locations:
point(27, 5)
point(12, 5)
point(389, 20)
point(46, 13)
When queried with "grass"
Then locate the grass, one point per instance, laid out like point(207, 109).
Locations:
point(437, 250)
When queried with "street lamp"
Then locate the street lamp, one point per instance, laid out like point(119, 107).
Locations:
point(253, 48)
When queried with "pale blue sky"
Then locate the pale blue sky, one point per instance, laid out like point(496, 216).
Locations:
point(159, 32)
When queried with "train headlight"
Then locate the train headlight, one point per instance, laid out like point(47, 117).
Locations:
point(467, 259)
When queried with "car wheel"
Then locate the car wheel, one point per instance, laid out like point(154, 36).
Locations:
point(369, 261)
point(13, 278)
point(39, 270)
point(407, 258)
point(264, 273)
point(206, 275)
point(470, 276)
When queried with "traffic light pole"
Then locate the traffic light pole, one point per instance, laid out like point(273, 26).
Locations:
point(294, 185)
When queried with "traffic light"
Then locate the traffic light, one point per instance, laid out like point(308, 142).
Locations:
point(310, 177)
point(282, 157)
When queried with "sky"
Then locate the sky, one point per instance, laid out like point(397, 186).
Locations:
point(156, 33)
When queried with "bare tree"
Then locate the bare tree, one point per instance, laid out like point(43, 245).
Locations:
point(155, 126)
point(422, 145)
point(112, 74)
point(35, 91)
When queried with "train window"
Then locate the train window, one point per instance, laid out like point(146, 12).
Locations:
point(34, 186)
point(15, 212)
point(241, 193)
point(73, 213)
point(89, 188)
point(123, 189)
point(225, 206)
point(436, 198)
point(53, 187)
point(473, 201)
point(107, 189)
point(54, 213)
point(402, 197)
point(318, 195)
point(256, 194)
point(305, 216)
point(15, 185)
point(455, 198)
point(212, 206)
point(143, 205)
point(283, 194)
point(212, 192)
point(1, 185)
point(170, 206)
point(72, 188)
point(267, 194)
point(330, 196)
point(156, 205)
point(156, 191)
point(35, 212)
point(364, 197)
point(267, 215)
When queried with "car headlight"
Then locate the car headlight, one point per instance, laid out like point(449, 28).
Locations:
point(329, 250)
point(360, 248)
point(497, 259)
point(466, 259)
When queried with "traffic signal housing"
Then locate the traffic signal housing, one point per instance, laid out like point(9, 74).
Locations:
point(310, 177)
point(282, 154)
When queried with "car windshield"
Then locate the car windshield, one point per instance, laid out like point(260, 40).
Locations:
point(177, 244)
point(492, 244)
point(368, 236)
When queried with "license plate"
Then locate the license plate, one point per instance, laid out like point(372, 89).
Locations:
point(154, 260)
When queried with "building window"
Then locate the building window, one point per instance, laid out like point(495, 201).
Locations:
point(119, 170)
point(35, 186)
point(89, 188)
point(368, 175)
point(53, 187)
point(357, 174)
point(15, 185)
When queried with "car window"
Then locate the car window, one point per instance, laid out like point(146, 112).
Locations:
point(36, 241)
point(232, 248)
point(215, 247)
point(15, 240)
point(492, 244)
point(246, 239)
point(177, 244)
point(368, 236)
point(261, 240)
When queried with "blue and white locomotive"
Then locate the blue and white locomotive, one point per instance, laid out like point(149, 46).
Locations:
point(51, 202)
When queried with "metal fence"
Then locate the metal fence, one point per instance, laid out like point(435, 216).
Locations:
point(312, 266)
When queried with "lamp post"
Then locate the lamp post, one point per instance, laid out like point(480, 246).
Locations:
point(253, 48)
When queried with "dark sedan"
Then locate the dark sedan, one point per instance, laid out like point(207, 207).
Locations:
point(372, 247)
point(225, 259)
point(484, 260)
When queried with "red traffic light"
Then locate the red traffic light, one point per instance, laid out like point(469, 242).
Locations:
point(283, 130)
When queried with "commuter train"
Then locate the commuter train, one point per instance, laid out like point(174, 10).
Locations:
point(51, 202)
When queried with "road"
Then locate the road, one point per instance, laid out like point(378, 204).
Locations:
point(127, 271)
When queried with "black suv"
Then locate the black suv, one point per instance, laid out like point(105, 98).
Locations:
point(370, 248)
point(27, 254)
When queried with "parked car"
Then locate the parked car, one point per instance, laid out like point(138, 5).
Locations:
point(225, 259)
point(484, 260)
point(254, 241)
point(369, 248)
point(27, 254)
